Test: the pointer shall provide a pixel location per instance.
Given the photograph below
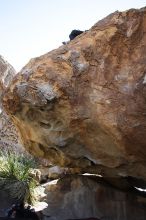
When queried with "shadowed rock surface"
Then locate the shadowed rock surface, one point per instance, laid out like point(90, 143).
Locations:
point(5, 202)
point(81, 197)
point(83, 105)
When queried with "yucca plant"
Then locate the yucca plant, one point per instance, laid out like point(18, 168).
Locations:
point(15, 178)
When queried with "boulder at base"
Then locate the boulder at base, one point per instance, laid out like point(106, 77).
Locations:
point(82, 197)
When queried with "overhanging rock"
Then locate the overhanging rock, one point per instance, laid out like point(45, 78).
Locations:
point(84, 104)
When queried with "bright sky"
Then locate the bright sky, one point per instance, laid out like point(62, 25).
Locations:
point(29, 28)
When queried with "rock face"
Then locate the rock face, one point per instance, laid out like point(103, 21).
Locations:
point(81, 197)
point(7, 73)
point(9, 136)
point(84, 104)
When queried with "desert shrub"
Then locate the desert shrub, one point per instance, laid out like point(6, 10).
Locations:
point(15, 178)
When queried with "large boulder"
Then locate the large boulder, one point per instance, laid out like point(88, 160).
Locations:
point(81, 197)
point(84, 104)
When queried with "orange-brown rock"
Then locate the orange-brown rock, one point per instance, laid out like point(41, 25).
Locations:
point(84, 104)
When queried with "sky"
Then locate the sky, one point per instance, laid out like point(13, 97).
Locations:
point(30, 28)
